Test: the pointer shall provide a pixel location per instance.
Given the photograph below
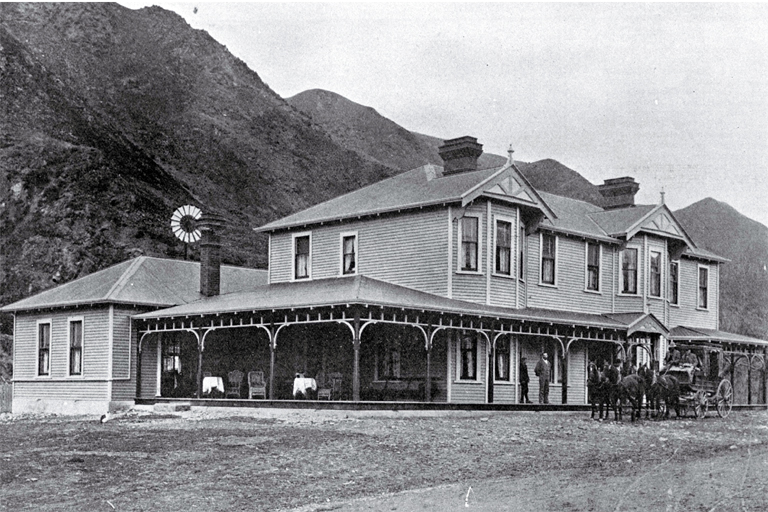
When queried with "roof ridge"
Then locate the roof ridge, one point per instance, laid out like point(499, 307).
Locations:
point(129, 272)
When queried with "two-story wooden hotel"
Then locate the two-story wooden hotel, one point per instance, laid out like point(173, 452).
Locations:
point(429, 286)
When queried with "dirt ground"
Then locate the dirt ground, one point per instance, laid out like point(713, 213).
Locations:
point(270, 460)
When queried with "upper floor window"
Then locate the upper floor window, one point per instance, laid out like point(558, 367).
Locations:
point(503, 247)
point(348, 253)
point(76, 347)
point(301, 256)
point(468, 356)
point(593, 267)
point(469, 243)
point(44, 348)
point(703, 287)
point(655, 277)
point(548, 258)
point(503, 353)
point(674, 282)
point(521, 263)
point(629, 271)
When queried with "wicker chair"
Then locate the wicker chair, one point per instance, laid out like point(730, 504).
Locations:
point(234, 381)
point(331, 386)
point(257, 387)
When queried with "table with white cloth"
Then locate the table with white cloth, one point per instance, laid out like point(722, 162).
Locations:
point(302, 384)
point(211, 383)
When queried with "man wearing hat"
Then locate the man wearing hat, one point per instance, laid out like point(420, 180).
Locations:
point(524, 379)
point(542, 371)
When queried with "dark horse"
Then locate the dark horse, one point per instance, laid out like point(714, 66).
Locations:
point(667, 388)
point(632, 389)
point(597, 388)
point(611, 392)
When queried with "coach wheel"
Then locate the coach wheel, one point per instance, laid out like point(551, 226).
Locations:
point(724, 398)
point(700, 405)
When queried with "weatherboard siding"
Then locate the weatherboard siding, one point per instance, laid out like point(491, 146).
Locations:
point(687, 313)
point(409, 250)
point(577, 377)
point(149, 368)
point(123, 355)
point(95, 344)
point(570, 281)
point(465, 391)
point(471, 286)
point(61, 390)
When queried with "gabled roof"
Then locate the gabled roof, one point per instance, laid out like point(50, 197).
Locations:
point(420, 187)
point(618, 222)
point(143, 281)
point(640, 322)
point(683, 333)
point(573, 217)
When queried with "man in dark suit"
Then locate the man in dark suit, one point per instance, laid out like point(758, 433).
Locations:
point(542, 371)
point(524, 379)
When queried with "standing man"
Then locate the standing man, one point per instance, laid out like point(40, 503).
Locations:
point(542, 371)
point(524, 379)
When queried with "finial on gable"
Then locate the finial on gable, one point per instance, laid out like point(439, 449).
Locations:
point(662, 195)
point(509, 152)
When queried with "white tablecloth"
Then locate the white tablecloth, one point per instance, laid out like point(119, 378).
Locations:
point(211, 383)
point(302, 384)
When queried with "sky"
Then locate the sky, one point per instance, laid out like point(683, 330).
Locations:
point(675, 95)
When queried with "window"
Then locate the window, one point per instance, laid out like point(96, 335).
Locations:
point(548, 256)
point(469, 243)
point(521, 263)
point(348, 253)
point(503, 247)
point(301, 258)
point(172, 356)
point(503, 359)
point(593, 267)
point(674, 282)
point(76, 347)
point(43, 349)
point(655, 274)
point(388, 361)
point(703, 287)
point(468, 356)
point(629, 271)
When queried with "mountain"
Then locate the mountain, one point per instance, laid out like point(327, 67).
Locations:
point(721, 229)
point(365, 131)
point(112, 118)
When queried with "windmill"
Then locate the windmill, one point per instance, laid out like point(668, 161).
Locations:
point(184, 225)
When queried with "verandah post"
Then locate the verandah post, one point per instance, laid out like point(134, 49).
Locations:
point(272, 361)
point(356, 362)
point(200, 366)
point(564, 366)
point(428, 379)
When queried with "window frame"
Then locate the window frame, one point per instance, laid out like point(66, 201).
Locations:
point(38, 323)
point(70, 321)
point(553, 284)
point(705, 307)
point(508, 352)
point(599, 267)
point(459, 266)
point(295, 236)
point(356, 253)
point(506, 220)
point(651, 275)
point(636, 293)
point(460, 375)
point(674, 286)
point(521, 252)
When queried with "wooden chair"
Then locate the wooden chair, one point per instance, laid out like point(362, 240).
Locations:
point(256, 384)
point(323, 390)
point(207, 374)
point(234, 381)
point(331, 387)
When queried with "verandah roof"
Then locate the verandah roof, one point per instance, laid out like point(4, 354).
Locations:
point(362, 290)
point(683, 333)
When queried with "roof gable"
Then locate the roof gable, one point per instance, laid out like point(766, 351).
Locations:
point(509, 184)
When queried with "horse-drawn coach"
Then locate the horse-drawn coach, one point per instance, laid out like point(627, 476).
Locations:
point(700, 372)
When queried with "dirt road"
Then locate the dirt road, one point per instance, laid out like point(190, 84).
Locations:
point(268, 460)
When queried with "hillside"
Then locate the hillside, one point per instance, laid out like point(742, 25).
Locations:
point(114, 117)
point(363, 130)
point(719, 228)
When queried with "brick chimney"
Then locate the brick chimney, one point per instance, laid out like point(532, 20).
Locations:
point(619, 192)
point(460, 155)
point(210, 226)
